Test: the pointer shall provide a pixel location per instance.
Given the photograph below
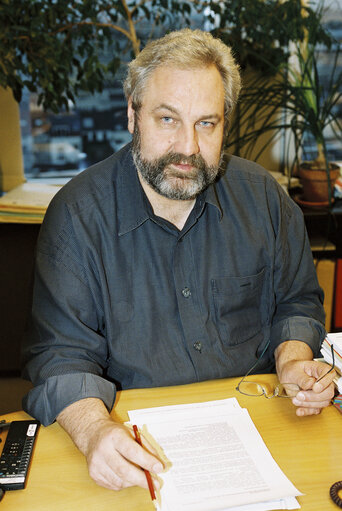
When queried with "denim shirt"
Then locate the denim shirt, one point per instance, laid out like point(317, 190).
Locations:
point(122, 299)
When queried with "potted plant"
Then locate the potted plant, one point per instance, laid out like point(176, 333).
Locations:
point(311, 107)
point(297, 103)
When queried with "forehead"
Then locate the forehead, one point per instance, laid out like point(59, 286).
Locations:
point(186, 89)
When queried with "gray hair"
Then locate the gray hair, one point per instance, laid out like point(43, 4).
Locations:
point(184, 49)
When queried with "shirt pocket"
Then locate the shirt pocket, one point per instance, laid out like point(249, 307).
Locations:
point(238, 307)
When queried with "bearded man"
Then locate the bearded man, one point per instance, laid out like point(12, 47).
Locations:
point(169, 263)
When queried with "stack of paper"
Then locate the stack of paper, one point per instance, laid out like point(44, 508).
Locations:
point(215, 458)
point(334, 340)
point(27, 203)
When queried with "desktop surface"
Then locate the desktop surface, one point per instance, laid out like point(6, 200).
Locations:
point(307, 449)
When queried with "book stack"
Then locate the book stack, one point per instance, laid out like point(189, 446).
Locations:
point(27, 203)
point(335, 341)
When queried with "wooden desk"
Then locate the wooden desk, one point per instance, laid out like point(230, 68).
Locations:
point(308, 450)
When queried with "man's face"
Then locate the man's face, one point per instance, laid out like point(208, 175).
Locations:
point(178, 132)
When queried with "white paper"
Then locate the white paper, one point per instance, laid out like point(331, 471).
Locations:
point(289, 503)
point(218, 459)
point(336, 340)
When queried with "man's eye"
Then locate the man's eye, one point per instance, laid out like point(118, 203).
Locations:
point(167, 120)
point(206, 124)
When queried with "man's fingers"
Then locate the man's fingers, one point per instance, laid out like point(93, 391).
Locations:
point(325, 382)
point(147, 445)
point(314, 395)
point(306, 382)
point(317, 371)
point(116, 459)
point(314, 400)
point(128, 473)
point(104, 476)
point(311, 404)
point(132, 451)
point(118, 476)
point(301, 412)
point(291, 389)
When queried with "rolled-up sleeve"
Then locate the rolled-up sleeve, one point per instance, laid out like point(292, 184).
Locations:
point(47, 400)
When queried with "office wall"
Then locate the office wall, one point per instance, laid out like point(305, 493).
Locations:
point(11, 160)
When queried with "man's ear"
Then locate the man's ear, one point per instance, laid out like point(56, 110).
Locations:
point(131, 116)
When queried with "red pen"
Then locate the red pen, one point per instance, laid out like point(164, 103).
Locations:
point(147, 473)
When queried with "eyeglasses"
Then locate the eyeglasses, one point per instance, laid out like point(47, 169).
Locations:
point(287, 390)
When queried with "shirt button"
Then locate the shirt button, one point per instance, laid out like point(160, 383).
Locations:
point(198, 346)
point(186, 292)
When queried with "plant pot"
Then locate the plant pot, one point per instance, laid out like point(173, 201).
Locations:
point(315, 182)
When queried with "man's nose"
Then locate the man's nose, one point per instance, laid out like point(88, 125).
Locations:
point(187, 141)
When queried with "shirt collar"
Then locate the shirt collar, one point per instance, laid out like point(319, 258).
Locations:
point(210, 197)
point(132, 211)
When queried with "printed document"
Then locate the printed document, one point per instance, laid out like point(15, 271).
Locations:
point(215, 458)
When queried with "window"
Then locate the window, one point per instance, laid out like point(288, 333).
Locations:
point(62, 145)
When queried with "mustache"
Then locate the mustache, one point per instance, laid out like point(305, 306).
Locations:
point(195, 160)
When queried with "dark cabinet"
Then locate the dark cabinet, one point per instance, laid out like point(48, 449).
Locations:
point(17, 246)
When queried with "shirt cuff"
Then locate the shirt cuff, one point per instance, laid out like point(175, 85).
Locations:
point(298, 328)
point(46, 401)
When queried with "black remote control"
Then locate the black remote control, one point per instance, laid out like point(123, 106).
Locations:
point(17, 453)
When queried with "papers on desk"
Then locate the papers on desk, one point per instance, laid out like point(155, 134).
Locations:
point(27, 203)
point(334, 339)
point(216, 460)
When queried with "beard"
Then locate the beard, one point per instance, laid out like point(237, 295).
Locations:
point(169, 182)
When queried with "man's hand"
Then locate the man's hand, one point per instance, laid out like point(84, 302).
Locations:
point(114, 457)
point(295, 365)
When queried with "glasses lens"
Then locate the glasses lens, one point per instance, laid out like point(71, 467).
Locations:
point(287, 389)
point(250, 388)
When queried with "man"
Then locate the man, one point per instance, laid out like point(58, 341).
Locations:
point(164, 265)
